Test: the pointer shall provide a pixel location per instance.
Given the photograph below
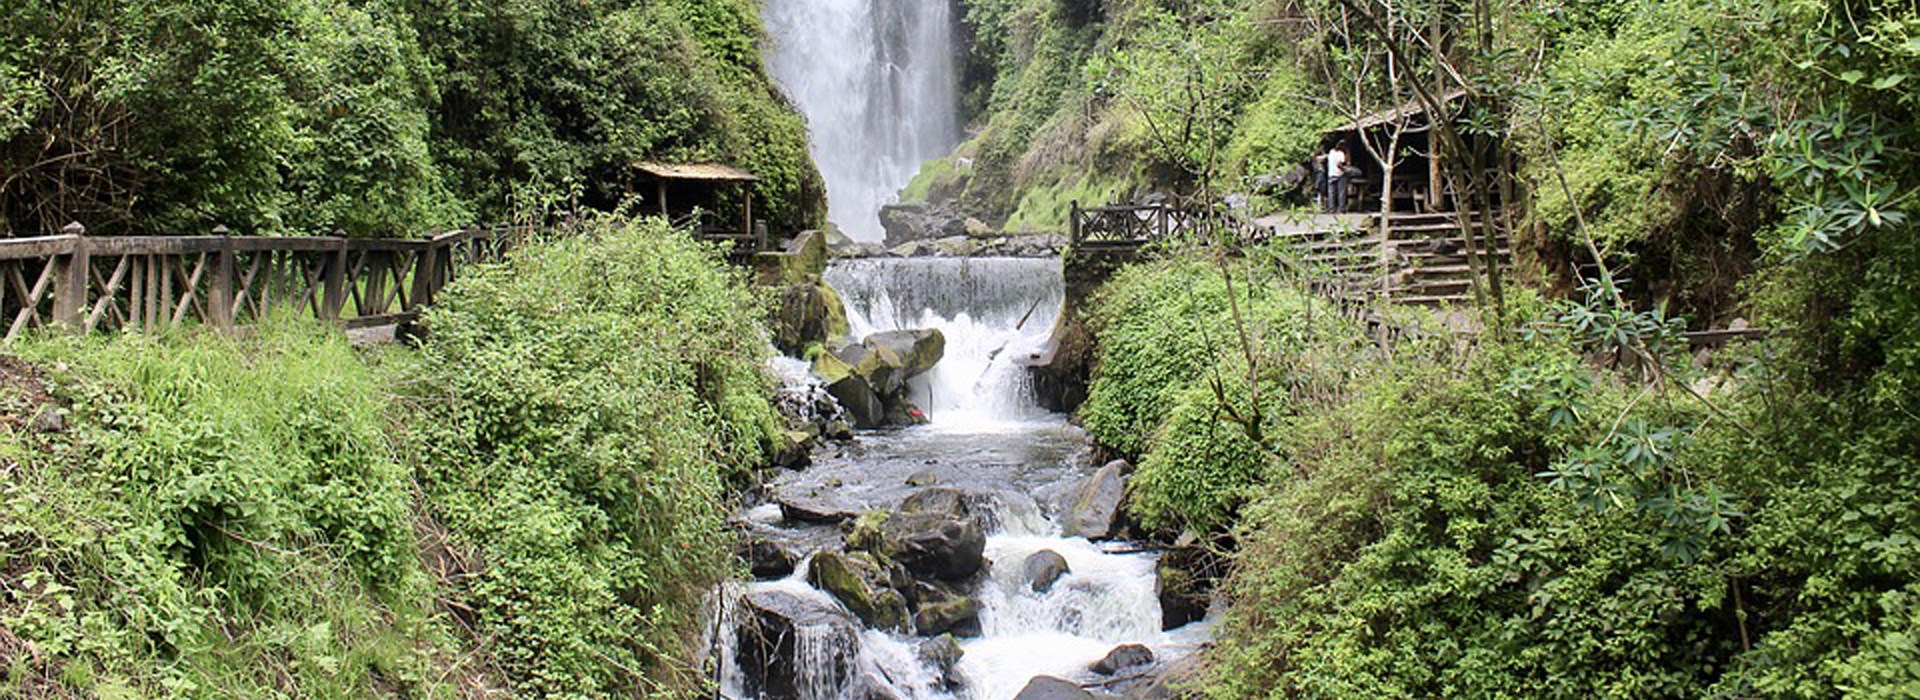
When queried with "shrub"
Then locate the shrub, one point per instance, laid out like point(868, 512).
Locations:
point(220, 518)
point(584, 406)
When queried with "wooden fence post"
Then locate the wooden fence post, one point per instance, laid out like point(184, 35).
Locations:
point(220, 290)
point(333, 297)
point(71, 281)
point(425, 270)
point(1073, 225)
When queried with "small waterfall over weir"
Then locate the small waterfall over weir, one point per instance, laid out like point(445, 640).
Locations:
point(878, 83)
point(992, 311)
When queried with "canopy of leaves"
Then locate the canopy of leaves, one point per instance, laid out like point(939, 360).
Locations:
point(376, 117)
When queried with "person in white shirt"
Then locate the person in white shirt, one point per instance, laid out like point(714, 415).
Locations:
point(1337, 177)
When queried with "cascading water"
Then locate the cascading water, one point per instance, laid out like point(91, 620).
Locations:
point(992, 312)
point(987, 438)
point(877, 82)
point(875, 79)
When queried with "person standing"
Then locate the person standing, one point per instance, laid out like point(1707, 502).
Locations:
point(1319, 164)
point(1337, 175)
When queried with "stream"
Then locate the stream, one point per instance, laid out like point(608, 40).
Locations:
point(986, 439)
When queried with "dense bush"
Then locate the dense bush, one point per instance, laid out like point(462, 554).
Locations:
point(219, 518)
point(377, 118)
point(583, 408)
point(1171, 387)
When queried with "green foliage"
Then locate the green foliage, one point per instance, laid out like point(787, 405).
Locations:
point(221, 518)
point(379, 118)
point(1171, 384)
point(584, 406)
point(1280, 130)
point(1416, 553)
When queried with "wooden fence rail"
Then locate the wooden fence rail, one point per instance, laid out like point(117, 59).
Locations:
point(84, 284)
point(1133, 226)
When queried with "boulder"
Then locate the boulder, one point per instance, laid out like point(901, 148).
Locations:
point(943, 654)
point(886, 360)
point(810, 313)
point(934, 545)
point(911, 222)
point(1175, 682)
point(769, 557)
point(806, 508)
point(958, 616)
point(861, 403)
point(952, 502)
point(1094, 512)
point(1185, 581)
point(956, 247)
point(862, 584)
point(1042, 569)
point(775, 626)
point(794, 451)
point(1051, 688)
point(940, 609)
point(1121, 658)
point(976, 228)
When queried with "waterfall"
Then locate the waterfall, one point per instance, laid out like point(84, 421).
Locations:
point(878, 83)
point(993, 311)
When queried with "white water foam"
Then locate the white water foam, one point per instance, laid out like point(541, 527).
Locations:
point(992, 311)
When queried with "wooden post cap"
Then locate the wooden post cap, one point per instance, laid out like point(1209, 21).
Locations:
point(74, 229)
point(220, 230)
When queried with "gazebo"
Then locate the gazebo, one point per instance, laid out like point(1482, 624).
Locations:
point(703, 183)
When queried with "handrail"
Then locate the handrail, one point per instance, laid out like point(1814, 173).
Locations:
point(78, 283)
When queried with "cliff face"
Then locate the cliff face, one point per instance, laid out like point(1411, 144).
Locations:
point(1065, 99)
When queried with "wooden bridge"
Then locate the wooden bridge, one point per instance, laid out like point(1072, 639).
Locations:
point(76, 283)
point(1414, 259)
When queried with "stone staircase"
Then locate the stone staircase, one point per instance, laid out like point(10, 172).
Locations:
point(1422, 259)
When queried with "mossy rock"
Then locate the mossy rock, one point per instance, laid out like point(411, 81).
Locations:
point(803, 260)
point(861, 583)
point(867, 531)
point(809, 314)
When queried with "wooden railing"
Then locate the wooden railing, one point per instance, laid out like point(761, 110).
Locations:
point(1137, 225)
point(83, 284)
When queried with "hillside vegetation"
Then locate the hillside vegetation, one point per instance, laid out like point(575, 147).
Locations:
point(384, 117)
point(529, 502)
point(1570, 501)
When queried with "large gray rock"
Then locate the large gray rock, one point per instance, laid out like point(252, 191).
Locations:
point(1094, 512)
point(774, 626)
point(1042, 569)
point(1051, 688)
point(889, 358)
point(940, 609)
point(1123, 657)
point(951, 502)
point(864, 585)
point(1174, 682)
point(943, 654)
point(934, 545)
point(809, 313)
point(768, 556)
point(911, 222)
point(811, 508)
point(1185, 582)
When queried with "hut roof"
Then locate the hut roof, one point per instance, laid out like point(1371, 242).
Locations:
point(701, 172)
point(1396, 114)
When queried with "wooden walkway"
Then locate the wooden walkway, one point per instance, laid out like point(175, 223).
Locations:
point(1421, 259)
point(76, 283)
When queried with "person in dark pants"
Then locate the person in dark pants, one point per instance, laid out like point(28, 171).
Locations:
point(1340, 174)
point(1320, 192)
